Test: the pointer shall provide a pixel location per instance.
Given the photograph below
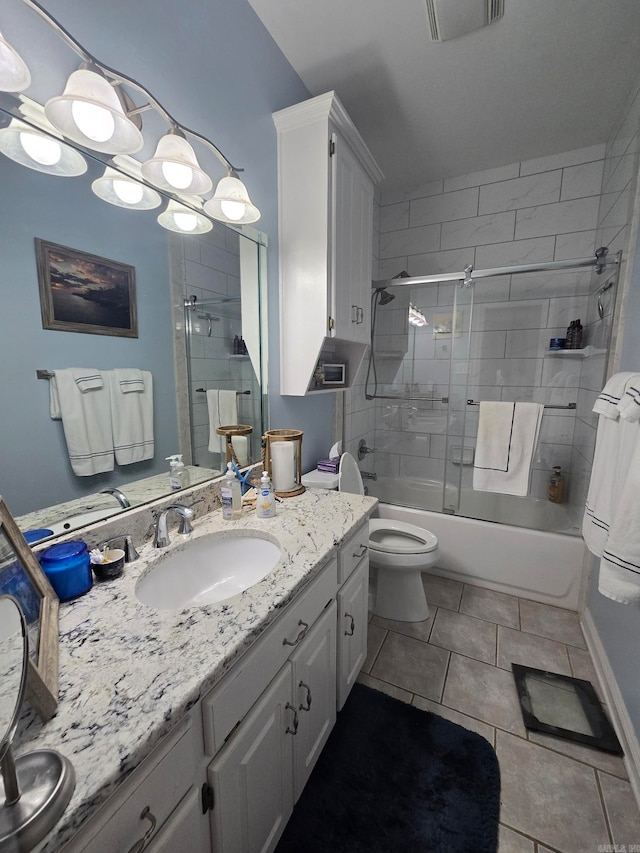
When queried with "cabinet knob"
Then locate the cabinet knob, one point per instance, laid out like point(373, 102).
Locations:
point(141, 843)
point(363, 551)
point(306, 707)
point(294, 730)
point(305, 628)
point(352, 627)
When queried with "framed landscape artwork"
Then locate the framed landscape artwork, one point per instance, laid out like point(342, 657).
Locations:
point(80, 292)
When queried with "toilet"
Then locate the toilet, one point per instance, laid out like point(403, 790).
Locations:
point(398, 552)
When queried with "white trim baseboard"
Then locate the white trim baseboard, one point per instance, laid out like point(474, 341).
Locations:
point(616, 707)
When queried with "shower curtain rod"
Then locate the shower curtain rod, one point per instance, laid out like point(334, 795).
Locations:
point(468, 274)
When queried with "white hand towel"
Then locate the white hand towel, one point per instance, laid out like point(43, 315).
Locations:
point(131, 417)
point(223, 411)
point(83, 403)
point(620, 564)
point(507, 438)
point(131, 379)
point(615, 443)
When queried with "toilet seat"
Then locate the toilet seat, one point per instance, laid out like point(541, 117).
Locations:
point(399, 537)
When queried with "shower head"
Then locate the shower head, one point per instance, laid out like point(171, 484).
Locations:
point(385, 297)
point(403, 274)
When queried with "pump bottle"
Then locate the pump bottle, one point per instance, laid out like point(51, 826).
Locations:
point(556, 486)
point(178, 474)
point(266, 503)
point(231, 495)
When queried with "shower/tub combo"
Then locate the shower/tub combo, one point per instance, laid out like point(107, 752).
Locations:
point(485, 335)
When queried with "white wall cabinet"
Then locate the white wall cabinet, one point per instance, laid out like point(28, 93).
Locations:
point(326, 178)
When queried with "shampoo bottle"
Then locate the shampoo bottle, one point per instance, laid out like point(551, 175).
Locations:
point(231, 495)
point(556, 486)
point(266, 503)
point(178, 474)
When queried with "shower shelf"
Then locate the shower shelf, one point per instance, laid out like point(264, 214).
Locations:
point(585, 352)
point(391, 354)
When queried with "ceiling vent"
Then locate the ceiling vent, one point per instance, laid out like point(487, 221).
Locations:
point(449, 19)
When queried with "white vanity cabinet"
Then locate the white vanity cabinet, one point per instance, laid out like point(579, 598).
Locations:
point(353, 610)
point(326, 177)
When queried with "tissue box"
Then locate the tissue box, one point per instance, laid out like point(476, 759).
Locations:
point(330, 466)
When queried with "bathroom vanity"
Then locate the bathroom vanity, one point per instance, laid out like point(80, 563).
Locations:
point(198, 729)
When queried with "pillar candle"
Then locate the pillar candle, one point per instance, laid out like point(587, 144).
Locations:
point(283, 465)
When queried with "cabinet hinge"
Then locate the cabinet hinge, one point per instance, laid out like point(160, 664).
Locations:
point(332, 147)
point(207, 798)
point(331, 323)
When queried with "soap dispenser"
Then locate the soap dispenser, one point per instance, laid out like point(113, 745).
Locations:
point(178, 474)
point(231, 495)
point(266, 503)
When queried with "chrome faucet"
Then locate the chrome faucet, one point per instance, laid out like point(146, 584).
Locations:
point(367, 475)
point(130, 553)
point(122, 500)
point(161, 538)
point(363, 450)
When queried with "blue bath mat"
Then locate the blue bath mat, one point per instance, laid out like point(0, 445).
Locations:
point(395, 779)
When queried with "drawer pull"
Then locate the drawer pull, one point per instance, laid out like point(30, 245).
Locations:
point(140, 845)
point(352, 626)
point(306, 707)
point(305, 628)
point(294, 730)
point(363, 551)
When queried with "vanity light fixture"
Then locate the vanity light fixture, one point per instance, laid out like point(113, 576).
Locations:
point(184, 220)
point(90, 112)
point(231, 202)
point(174, 166)
point(125, 190)
point(37, 145)
point(14, 73)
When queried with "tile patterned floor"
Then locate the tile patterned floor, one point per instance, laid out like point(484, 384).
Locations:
point(557, 796)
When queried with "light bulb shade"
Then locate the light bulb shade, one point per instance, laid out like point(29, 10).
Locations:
point(231, 203)
point(28, 147)
point(177, 217)
point(174, 167)
point(14, 74)
point(89, 112)
point(124, 191)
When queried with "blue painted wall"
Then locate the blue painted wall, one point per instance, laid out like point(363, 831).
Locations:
point(218, 71)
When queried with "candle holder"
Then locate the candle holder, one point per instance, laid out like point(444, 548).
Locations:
point(282, 459)
point(229, 431)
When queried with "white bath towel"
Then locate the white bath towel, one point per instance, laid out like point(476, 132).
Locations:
point(507, 438)
point(615, 443)
point(620, 564)
point(131, 415)
point(79, 397)
point(131, 379)
point(223, 411)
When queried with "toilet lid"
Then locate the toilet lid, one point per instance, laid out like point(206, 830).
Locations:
point(349, 479)
point(398, 537)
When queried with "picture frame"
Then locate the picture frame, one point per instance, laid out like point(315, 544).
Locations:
point(81, 292)
point(22, 577)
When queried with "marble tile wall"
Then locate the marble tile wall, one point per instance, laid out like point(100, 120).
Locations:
point(537, 210)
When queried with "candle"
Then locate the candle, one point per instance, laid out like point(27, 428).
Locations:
point(283, 465)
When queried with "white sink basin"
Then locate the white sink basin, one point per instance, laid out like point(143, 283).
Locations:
point(207, 570)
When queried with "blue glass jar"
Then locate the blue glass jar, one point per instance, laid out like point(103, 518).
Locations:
point(68, 569)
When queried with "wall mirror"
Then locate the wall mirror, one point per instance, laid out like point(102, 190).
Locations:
point(197, 296)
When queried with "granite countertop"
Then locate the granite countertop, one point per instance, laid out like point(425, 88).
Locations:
point(129, 673)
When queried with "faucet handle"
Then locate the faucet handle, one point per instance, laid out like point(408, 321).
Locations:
point(130, 552)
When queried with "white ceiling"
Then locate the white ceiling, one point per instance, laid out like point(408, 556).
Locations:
point(550, 76)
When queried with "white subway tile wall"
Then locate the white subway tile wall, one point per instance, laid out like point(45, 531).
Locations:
point(546, 209)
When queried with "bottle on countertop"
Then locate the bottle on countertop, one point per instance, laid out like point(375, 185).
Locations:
point(266, 503)
point(557, 485)
point(231, 495)
point(577, 335)
point(236, 345)
point(178, 474)
point(568, 344)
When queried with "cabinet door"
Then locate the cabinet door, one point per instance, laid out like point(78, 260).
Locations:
point(351, 245)
point(314, 695)
point(187, 830)
point(353, 600)
point(252, 776)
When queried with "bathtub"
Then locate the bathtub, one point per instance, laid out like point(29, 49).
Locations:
point(536, 564)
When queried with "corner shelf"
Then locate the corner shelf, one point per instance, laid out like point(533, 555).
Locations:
point(585, 352)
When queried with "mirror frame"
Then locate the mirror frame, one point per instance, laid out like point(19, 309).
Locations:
point(6, 738)
point(42, 668)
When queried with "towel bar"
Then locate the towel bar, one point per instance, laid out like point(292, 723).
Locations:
point(546, 405)
point(204, 391)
